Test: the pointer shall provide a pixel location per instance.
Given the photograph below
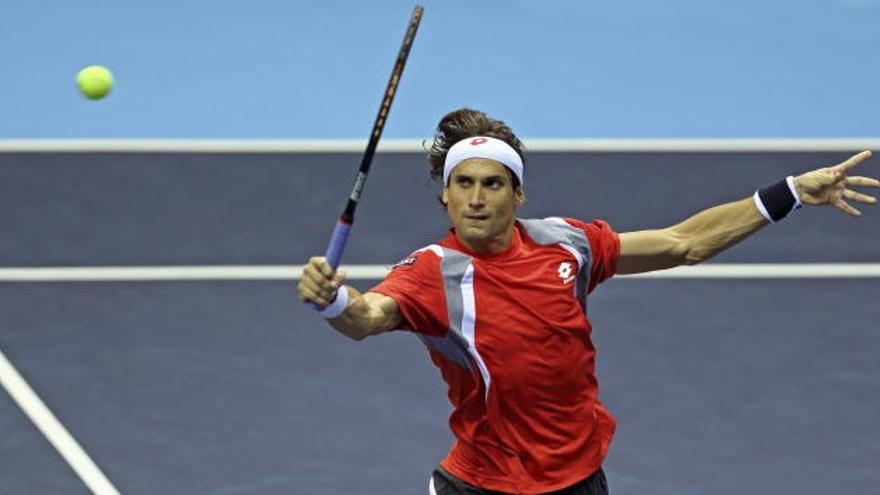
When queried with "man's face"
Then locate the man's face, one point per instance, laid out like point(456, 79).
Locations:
point(480, 201)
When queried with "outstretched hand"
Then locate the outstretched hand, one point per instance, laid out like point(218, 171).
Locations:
point(830, 185)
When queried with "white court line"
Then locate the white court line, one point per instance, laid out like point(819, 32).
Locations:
point(376, 272)
point(621, 145)
point(54, 431)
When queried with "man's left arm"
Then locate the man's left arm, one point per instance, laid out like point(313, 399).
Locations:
point(711, 231)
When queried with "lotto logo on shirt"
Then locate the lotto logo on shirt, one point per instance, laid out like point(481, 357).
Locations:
point(565, 270)
point(404, 262)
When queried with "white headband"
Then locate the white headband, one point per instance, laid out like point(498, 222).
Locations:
point(482, 147)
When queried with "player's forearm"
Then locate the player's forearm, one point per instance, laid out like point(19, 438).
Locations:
point(356, 321)
point(364, 315)
point(711, 231)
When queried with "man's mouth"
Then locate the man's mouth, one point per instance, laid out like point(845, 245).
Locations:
point(477, 217)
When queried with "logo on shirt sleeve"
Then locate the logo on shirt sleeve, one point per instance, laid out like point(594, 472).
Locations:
point(404, 262)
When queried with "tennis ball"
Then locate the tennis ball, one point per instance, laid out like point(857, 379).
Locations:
point(94, 82)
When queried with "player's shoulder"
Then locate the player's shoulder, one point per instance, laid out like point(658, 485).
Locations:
point(594, 224)
point(562, 226)
point(423, 259)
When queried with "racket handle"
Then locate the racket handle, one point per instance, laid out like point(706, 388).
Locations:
point(337, 243)
point(334, 249)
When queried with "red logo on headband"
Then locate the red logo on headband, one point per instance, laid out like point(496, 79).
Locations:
point(479, 140)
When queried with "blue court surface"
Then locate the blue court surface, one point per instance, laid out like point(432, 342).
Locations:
point(721, 386)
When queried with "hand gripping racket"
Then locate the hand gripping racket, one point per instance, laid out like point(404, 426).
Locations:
point(343, 227)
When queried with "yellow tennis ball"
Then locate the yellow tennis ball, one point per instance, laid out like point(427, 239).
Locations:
point(94, 82)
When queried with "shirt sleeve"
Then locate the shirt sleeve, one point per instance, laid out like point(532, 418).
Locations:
point(415, 284)
point(605, 248)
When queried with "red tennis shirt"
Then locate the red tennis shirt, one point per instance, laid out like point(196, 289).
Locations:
point(510, 334)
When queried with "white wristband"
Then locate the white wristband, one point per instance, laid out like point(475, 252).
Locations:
point(338, 305)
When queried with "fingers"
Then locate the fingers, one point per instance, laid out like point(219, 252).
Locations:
point(314, 274)
point(862, 181)
point(861, 198)
point(318, 283)
point(852, 161)
point(846, 208)
point(308, 294)
point(320, 263)
point(338, 279)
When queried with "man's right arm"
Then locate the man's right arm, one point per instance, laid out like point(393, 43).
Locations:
point(364, 314)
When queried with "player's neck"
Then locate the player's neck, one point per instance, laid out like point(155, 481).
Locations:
point(492, 245)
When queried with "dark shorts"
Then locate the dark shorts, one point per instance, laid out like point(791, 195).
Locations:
point(444, 483)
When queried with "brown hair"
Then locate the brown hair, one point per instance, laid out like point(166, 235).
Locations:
point(464, 123)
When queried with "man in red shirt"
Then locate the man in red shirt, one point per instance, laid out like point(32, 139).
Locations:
point(501, 304)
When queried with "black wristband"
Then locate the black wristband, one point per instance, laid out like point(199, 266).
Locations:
point(777, 200)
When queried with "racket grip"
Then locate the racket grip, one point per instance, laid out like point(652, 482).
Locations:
point(337, 243)
point(335, 247)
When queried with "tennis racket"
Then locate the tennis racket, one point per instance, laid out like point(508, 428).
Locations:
point(339, 238)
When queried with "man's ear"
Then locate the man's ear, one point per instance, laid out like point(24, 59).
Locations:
point(519, 197)
point(444, 197)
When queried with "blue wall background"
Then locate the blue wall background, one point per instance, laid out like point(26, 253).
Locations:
point(293, 69)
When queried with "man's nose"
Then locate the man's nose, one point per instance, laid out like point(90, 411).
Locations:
point(476, 199)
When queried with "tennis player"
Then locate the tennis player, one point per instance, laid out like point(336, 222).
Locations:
point(501, 304)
